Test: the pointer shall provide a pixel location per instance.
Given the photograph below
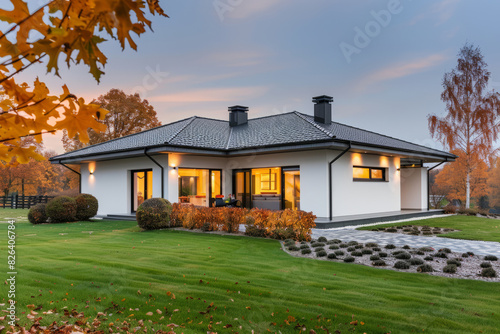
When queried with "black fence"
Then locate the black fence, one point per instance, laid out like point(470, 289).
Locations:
point(22, 202)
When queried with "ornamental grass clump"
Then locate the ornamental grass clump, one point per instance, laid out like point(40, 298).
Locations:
point(489, 272)
point(154, 214)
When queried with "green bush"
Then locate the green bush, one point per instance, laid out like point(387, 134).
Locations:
point(403, 256)
point(304, 246)
point(488, 272)
point(37, 214)
point(490, 258)
point(351, 249)
point(61, 209)
point(343, 245)
point(485, 265)
point(322, 239)
point(428, 258)
point(390, 246)
point(445, 250)
point(333, 247)
point(371, 244)
point(306, 251)
point(154, 214)
point(454, 262)
point(382, 254)
point(321, 253)
point(293, 248)
point(366, 251)
point(357, 253)
point(465, 255)
point(317, 244)
point(415, 261)
point(336, 241)
point(425, 268)
point(86, 206)
point(402, 265)
point(317, 249)
point(374, 257)
point(332, 256)
point(349, 259)
point(376, 249)
point(450, 269)
point(441, 255)
point(339, 253)
point(255, 231)
point(378, 263)
point(406, 247)
point(353, 243)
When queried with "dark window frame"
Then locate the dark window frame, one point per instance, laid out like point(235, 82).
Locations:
point(385, 174)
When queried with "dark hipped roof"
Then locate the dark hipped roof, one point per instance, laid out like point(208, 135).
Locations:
point(292, 128)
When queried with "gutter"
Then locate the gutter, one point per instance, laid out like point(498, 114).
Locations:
point(162, 172)
point(79, 176)
point(330, 206)
point(428, 183)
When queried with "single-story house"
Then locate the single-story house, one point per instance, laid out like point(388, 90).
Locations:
point(290, 160)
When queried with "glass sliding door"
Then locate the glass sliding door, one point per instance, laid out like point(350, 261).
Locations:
point(242, 185)
point(215, 185)
point(266, 188)
point(291, 188)
point(142, 187)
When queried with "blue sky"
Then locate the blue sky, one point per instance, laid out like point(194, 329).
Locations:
point(274, 55)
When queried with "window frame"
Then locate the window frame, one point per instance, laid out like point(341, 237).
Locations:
point(385, 174)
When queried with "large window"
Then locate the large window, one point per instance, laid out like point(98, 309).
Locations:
point(199, 186)
point(369, 174)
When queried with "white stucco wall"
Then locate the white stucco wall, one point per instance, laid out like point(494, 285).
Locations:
point(110, 182)
point(414, 188)
point(351, 197)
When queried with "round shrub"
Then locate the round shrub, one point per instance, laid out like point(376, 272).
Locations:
point(351, 249)
point(371, 244)
point(425, 268)
point(428, 258)
point(470, 253)
point(358, 246)
point(441, 255)
point(398, 252)
point(343, 245)
point(154, 214)
point(415, 261)
point(485, 265)
point(378, 263)
point(321, 253)
point(357, 253)
point(390, 246)
point(37, 214)
point(293, 248)
point(304, 246)
point(366, 251)
point(419, 252)
point(406, 247)
point(403, 256)
point(399, 227)
point(306, 251)
point(382, 254)
point(339, 253)
point(376, 249)
point(426, 232)
point(349, 259)
point(337, 241)
point(391, 230)
point(465, 255)
point(402, 265)
point(332, 256)
point(317, 244)
point(322, 239)
point(289, 242)
point(61, 209)
point(454, 262)
point(445, 250)
point(490, 258)
point(86, 206)
point(450, 269)
point(333, 247)
point(317, 249)
point(488, 272)
point(352, 243)
point(374, 257)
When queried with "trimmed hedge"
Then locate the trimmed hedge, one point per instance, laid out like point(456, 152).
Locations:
point(61, 209)
point(154, 214)
point(37, 214)
point(86, 206)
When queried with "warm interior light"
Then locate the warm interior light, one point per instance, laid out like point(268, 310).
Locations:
point(91, 167)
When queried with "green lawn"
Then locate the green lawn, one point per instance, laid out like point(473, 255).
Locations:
point(252, 283)
point(471, 228)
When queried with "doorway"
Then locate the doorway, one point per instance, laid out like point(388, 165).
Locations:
point(242, 188)
point(142, 187)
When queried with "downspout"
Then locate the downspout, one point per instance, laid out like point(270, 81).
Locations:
point(428, 183)
point(330, 188)
point(162, 171)
point(79, 176)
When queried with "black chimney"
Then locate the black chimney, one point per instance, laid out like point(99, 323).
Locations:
point(323, 109)
point(238, 115)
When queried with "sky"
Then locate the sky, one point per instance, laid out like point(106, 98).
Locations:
point(382, 61)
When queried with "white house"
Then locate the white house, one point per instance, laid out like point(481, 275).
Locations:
point(290, 160)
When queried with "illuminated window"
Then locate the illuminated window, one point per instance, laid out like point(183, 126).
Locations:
point(369, 174)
